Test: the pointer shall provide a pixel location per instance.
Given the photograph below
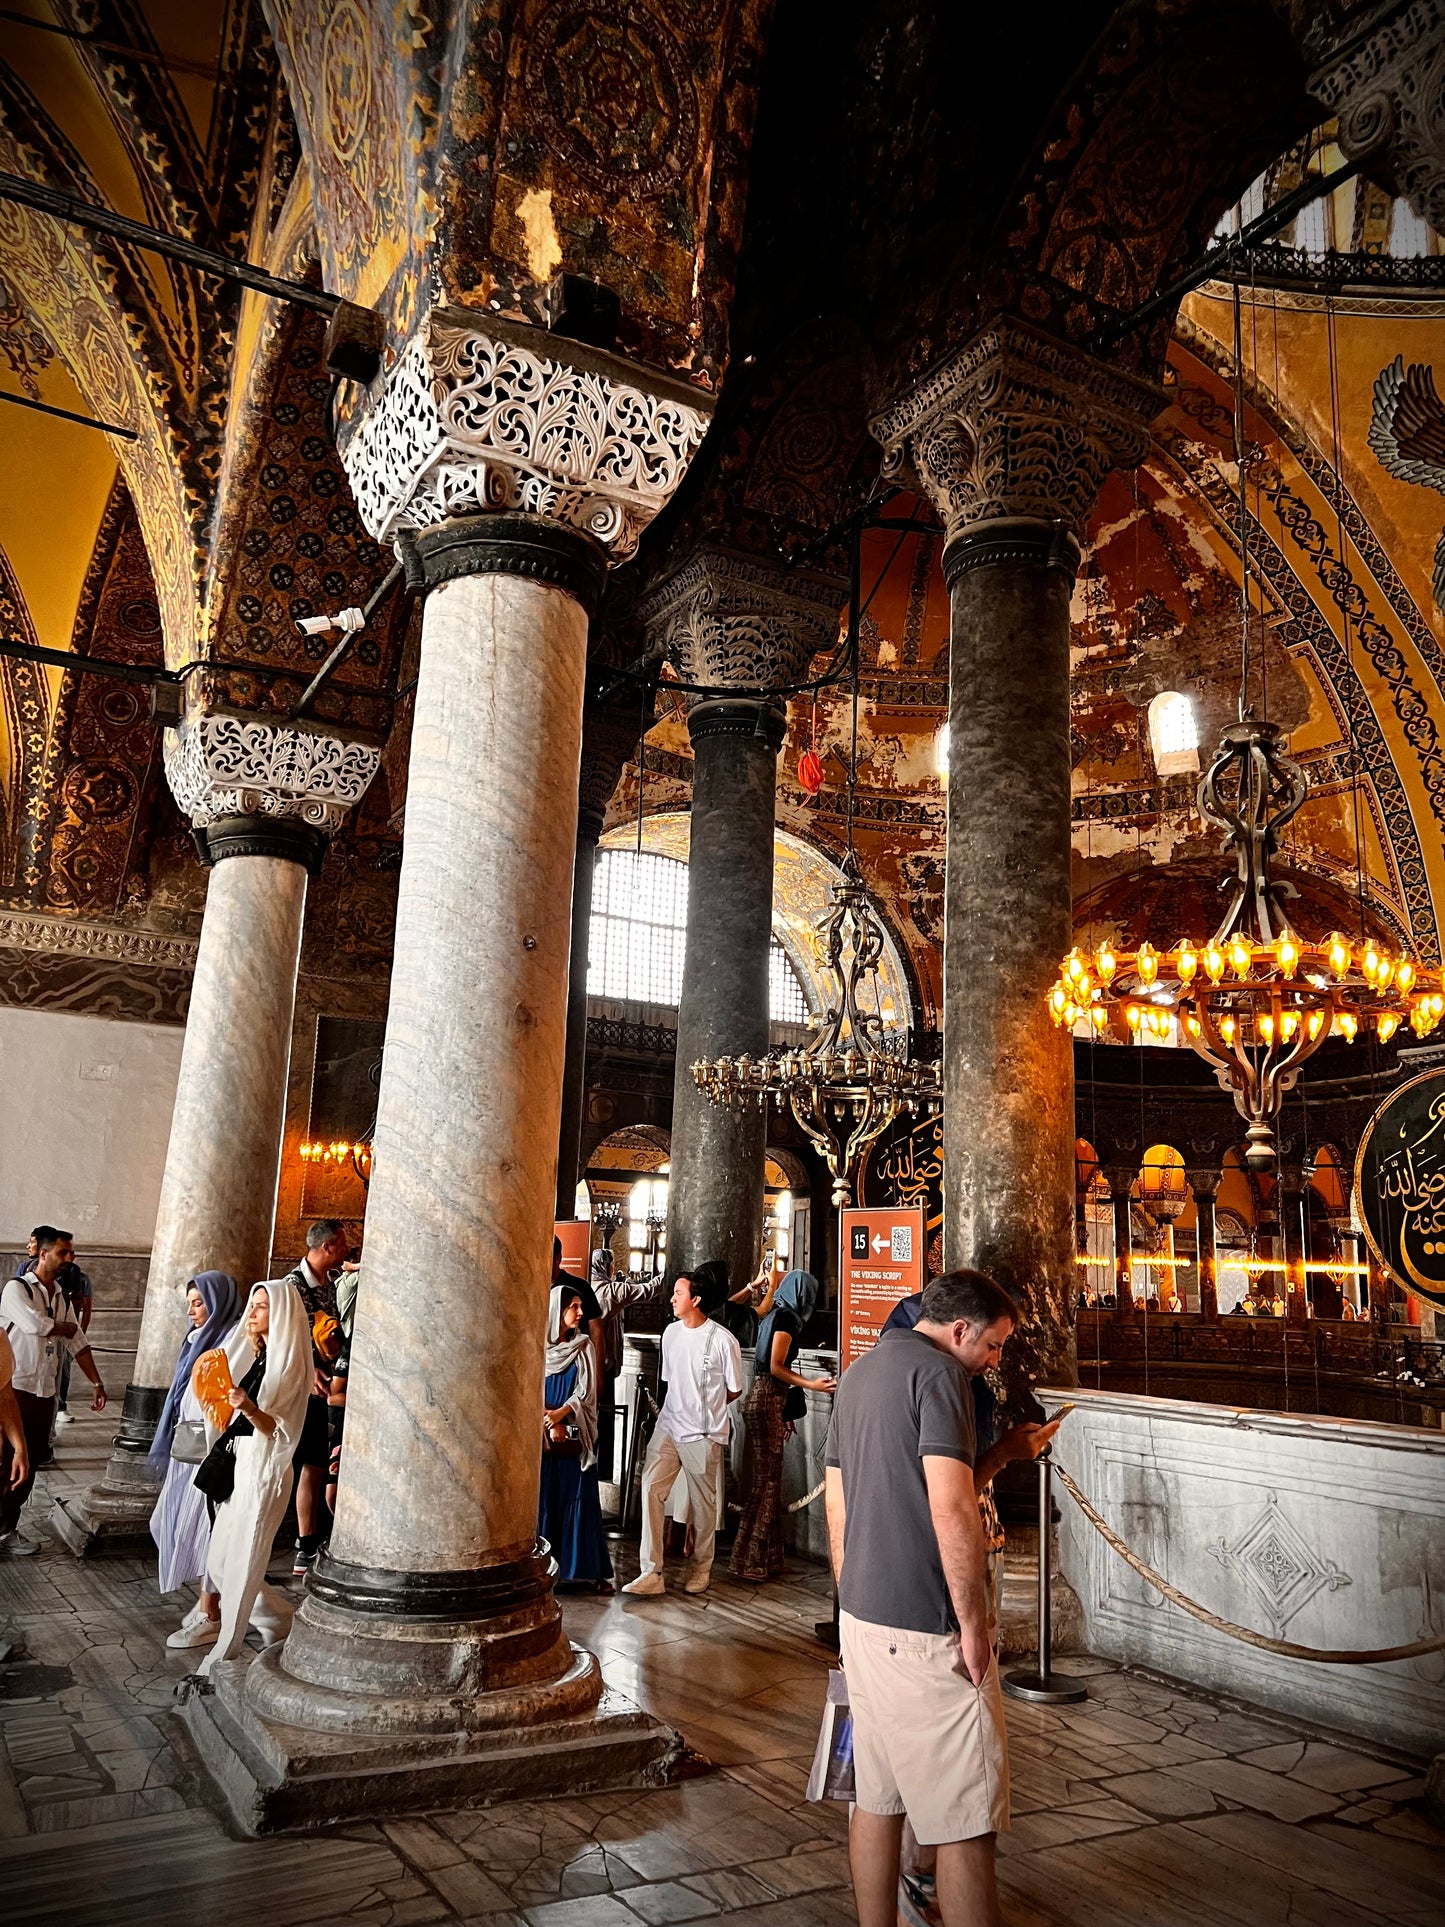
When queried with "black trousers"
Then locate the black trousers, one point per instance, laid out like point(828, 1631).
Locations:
point(36, 1417)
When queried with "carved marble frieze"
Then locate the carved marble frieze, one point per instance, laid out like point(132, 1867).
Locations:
point(732, 621)
point(1017, 424)
point(478, 417)
point(93, 986)
point(71, 937)
point(220, 766)
point(1386, 86)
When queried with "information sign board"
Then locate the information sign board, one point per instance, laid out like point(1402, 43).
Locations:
point(881, 1262)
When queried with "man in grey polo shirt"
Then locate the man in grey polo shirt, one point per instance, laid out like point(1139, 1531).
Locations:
point(909, 1557)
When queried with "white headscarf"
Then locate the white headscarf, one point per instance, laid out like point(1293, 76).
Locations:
point(564, 1349)
point(246, 1524)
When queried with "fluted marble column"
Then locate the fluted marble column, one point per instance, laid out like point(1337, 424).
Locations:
point(1011, 440)
point(734, 623)
point(1121, 1196)
point(263, 799)
point(431, 1616)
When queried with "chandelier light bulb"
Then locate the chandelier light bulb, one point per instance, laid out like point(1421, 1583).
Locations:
point(1214, 961)
point(1240, 957)
point(1146, 962)
point(1387, 1023)
point(1187, 962)
point(1287, 954)
point(1338, 954)
point(1347, 1024)
point(1405, 974)
point(1105, 962)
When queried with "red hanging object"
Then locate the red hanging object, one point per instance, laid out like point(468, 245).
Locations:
point(810, 769)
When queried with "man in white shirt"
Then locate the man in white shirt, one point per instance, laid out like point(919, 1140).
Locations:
point(702, 1368)
point(38, 1324)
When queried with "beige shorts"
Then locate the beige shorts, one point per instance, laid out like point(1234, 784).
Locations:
point(926, 1741)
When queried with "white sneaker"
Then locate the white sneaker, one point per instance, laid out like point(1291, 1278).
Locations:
point(192, 1632)
point(194, 1616)
point(65, 1418)
point(647, 1585)
point(12, 1546)
point(699, 1581)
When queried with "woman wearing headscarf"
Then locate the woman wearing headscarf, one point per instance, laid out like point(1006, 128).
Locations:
point(180, 1523)
point(775, 1402)
point(269, 1355)
point(569, 1513)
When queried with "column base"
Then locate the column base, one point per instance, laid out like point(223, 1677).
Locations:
point(111, 1519)
point(268, 1775)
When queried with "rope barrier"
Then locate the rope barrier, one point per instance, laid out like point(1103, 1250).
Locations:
point(1379, 1656)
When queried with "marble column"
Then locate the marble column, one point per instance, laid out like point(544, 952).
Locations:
point(1011, 440)
point(1294, 1248)
point(1205, 1187)
point(429, 1648)
point(607, 738)
point(733, 623)
point(1120, 1179)
point(262, 799)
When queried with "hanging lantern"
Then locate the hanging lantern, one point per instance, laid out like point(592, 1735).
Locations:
point(1256, 1001)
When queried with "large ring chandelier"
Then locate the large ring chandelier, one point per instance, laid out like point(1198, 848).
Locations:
point(1256, 1001)
point(849, 1083)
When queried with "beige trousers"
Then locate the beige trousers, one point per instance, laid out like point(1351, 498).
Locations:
point(700, 1463)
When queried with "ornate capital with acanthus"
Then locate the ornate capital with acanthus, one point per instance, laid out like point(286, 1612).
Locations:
point(1017, 426)
point(481, 415)
point(735, 621)
point(1381, 70)
point(226, 767)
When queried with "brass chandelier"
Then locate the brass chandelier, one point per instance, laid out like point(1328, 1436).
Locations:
point(1255, 1001)
point(848, 1084)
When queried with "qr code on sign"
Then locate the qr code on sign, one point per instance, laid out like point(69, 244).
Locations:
point(902, 1252)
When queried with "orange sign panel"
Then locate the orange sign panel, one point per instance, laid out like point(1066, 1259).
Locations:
point(576, 1236)
point(881, 1262)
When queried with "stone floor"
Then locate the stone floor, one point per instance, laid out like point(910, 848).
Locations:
point(1146, 1807)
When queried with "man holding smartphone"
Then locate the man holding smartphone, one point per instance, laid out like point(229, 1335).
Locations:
point(914, 1621)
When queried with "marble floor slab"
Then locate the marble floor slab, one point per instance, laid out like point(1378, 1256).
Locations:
point(1147, 1806)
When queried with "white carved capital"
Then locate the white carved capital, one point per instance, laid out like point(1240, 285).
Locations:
point(1382, 72)
point(219, 766)
point(1017, 423)
point(479, 416)
point(739, 622)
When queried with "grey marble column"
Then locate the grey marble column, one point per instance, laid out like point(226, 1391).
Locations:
point(608, 735)
point(715, 1191)
point(1205, 1186)
point(1011, 440)
point(217, 1204)
point(1121, 1196)
point(734, 623)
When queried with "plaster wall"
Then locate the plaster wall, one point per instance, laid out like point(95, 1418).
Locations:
point(83, 1126)
point(1324, 1532)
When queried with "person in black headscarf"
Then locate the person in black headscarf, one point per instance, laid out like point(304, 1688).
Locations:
point(774, 1404)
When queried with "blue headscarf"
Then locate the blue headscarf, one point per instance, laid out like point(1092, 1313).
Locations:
point(223, 1310)
point(798, 1294)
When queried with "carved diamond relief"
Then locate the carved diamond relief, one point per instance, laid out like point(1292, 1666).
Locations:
point(220, 766)
point(1280, 1567)
point(477, 417)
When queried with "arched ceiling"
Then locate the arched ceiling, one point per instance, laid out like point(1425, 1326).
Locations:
point(909, 172)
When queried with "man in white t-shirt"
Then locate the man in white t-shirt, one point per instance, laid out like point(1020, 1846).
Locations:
point(702, 1368)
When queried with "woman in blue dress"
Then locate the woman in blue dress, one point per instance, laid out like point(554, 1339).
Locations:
point(570, 1513)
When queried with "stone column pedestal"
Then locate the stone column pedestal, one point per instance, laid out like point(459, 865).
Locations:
point(218, 1192)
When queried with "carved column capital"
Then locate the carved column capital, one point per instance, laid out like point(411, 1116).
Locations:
point(1017, 430)
point(1381, 70)
point(257, 788)
point(481, 415)
point(735, 621)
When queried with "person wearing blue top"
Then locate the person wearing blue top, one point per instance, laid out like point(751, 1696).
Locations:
point(774, 1404)
point(569, 1510)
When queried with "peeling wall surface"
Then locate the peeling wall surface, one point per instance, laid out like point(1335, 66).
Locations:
point(83, 1127)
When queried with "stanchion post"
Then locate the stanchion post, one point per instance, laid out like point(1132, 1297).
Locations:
point(1043, 1683)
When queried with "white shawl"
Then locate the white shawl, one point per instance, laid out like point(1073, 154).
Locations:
point(246, 1524)
point(564, 1351)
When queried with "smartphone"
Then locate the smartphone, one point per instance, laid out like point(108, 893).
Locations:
point(1062, 1412)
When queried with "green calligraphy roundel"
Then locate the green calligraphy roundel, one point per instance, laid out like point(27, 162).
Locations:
point(1400, 1185)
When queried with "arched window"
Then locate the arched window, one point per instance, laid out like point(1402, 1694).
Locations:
point(1173, 734)
point(639, 934)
